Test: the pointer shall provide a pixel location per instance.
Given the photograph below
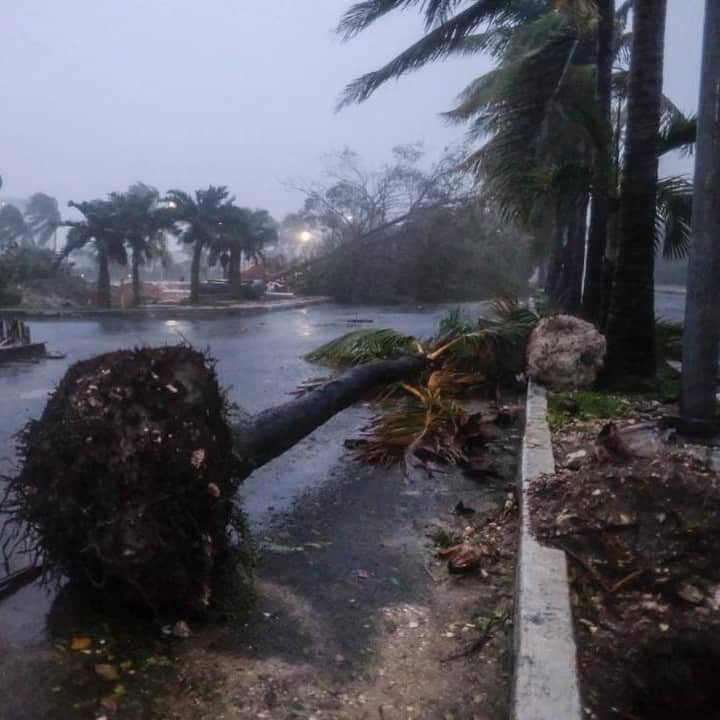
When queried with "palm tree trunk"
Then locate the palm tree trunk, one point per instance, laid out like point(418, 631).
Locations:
point(234, 276)
point(597, 240)
point(195, 273)
point(137, 288)
point(270, 433)
point(702, 311)
point(631, 321)
point(103, 281)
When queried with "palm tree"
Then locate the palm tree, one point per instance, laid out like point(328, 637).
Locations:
point(597, 240)
point(702, 311)
point(13, 228)
point(100, 227)
point(198, 222)
point(244, 233)
point(262, 230)
point(538, 107)
point(631, 319)
point(142, 222)
point(43, 218)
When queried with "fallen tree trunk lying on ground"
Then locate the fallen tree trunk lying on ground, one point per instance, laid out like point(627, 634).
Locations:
point(272, 432)
point(129, 478)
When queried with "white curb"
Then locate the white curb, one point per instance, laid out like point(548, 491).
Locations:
point(545, 684)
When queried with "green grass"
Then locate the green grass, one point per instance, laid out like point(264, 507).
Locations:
point(584, 404)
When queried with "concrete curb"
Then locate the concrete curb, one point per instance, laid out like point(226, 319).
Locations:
point(545, 683)
point(174, 312)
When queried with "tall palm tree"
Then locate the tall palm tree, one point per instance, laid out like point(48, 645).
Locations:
point(43, 218)
point(244, 233)
point(198, 222)
point(600, 212)
point(702, 311)
point(262, 230)
point(631, 319)
point(142, 221)
point(100, 227)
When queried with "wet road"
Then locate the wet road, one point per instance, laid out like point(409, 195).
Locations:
point(259, 361)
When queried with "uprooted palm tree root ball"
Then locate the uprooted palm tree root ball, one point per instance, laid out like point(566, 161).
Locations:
point(128, 480)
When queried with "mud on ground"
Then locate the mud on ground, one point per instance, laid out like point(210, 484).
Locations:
point(640, 521)
point(357, 618)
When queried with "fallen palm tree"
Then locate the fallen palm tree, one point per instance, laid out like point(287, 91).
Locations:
point(130, 476)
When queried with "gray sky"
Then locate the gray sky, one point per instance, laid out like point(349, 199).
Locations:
point(97, 94)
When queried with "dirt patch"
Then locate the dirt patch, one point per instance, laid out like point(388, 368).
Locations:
point(357, 617)
point(638, 513)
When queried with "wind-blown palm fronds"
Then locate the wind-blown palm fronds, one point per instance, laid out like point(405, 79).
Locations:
point(13, 228)
point(674, 217)
point(446, 34)
point(679, 132)
point(494, 347)
point(539, 109)
point(361, 346)
point(43, 217)
point(423, 423)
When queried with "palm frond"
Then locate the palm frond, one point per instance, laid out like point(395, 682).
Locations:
point(435, 12)
point(438, 43)
point(679, 132)
point(361, 346)
point(76, 238)
point(494, 347)
point(425, 425)
point(674, 217)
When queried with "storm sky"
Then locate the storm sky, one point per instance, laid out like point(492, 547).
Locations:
point(98, 94)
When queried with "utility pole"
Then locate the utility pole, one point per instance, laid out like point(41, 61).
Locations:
point(702, 312)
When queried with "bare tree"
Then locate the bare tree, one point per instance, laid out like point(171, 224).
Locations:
point(354, 204)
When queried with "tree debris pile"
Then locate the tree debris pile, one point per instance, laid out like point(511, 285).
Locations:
point(434, 417)
point(482, 544)
point(639, 517)
point(128, 479)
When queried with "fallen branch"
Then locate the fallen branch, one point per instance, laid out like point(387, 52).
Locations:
point(480, 643)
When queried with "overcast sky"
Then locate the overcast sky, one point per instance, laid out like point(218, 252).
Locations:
point(97, 94)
